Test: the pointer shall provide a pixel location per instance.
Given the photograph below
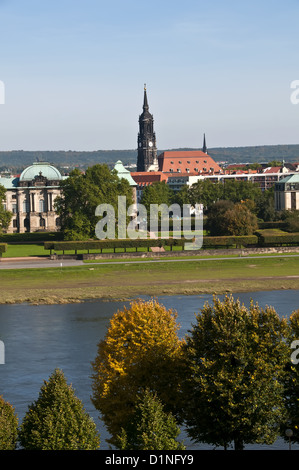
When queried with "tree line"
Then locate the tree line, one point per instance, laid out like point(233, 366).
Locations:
point(231, 381)
point(82, 193)
point(230, 208)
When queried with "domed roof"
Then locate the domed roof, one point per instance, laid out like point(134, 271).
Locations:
point(123, 173)
point(40, 168)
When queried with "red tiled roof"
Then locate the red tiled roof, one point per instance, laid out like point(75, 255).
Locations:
point(148, 177)
point(189, 161)
point(273, 169)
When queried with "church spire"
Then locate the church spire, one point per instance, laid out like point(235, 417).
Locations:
point(204, 148)
point(145, 103)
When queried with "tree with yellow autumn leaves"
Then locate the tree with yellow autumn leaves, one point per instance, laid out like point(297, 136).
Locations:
point(141, 350)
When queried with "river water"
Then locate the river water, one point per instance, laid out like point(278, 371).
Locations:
point(39, 339)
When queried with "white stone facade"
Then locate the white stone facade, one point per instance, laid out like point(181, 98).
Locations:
point(31, 198)
point(287, 193)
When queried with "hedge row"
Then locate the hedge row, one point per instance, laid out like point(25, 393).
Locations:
point(111, 244)
point(245, 240)
point(3, 248)
point(30, 237)
point(278, 239)
point(260, 239)
point(148, 243)
point(280, 224)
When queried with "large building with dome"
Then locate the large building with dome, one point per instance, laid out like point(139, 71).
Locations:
point(30, 197)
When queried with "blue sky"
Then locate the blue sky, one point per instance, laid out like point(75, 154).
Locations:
point(74, 73)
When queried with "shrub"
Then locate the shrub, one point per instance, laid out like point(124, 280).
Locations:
point(3, 248)
point(8, 426)
point(57, 420)
point(150, 428)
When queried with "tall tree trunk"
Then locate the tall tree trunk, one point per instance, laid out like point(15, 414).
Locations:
point(239, 444)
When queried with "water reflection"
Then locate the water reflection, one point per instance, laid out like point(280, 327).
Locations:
point(40, 338)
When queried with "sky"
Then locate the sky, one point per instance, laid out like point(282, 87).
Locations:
point(72, 73)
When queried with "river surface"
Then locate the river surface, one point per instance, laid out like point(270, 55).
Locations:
point(39, 339)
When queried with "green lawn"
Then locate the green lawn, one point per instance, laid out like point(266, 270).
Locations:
point(16, 251)
point(120, 281)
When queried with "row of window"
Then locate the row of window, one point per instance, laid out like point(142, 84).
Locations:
point(179, 170)
point(26, 223)
point(26, 206)
point(189, 162)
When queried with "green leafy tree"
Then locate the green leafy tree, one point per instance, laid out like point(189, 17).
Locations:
point(265, 207)
point(216, 222)
point(141, 349)
point(205, 192)
point(8, 426)
point(82, 193)
point(240, 220)
point(182, 196)
point(5, 216)
point(254, 166)
point(226, 218)
point(236, 359)
point(291, 220)
point(208, 193)
point(57, 420)
point(237, 191)
point(156, 193)
point(292, 381)
point(151, 428)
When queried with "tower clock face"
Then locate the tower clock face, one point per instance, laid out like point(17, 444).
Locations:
point(150, 144)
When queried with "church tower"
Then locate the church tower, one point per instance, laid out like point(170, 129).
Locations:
point(147, 151)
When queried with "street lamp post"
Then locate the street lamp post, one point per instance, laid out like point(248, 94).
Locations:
point(289, 434)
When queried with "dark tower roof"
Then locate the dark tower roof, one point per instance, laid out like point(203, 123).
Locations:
point(146, 114)
point(204, 148)
point(145, 103)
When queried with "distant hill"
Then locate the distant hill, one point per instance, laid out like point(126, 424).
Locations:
point(19, 159)
point(259, 154)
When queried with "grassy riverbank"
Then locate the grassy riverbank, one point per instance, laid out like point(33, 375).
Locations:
point(124, 281)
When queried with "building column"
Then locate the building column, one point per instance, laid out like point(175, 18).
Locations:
point(50, 202)
point(32, 202)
